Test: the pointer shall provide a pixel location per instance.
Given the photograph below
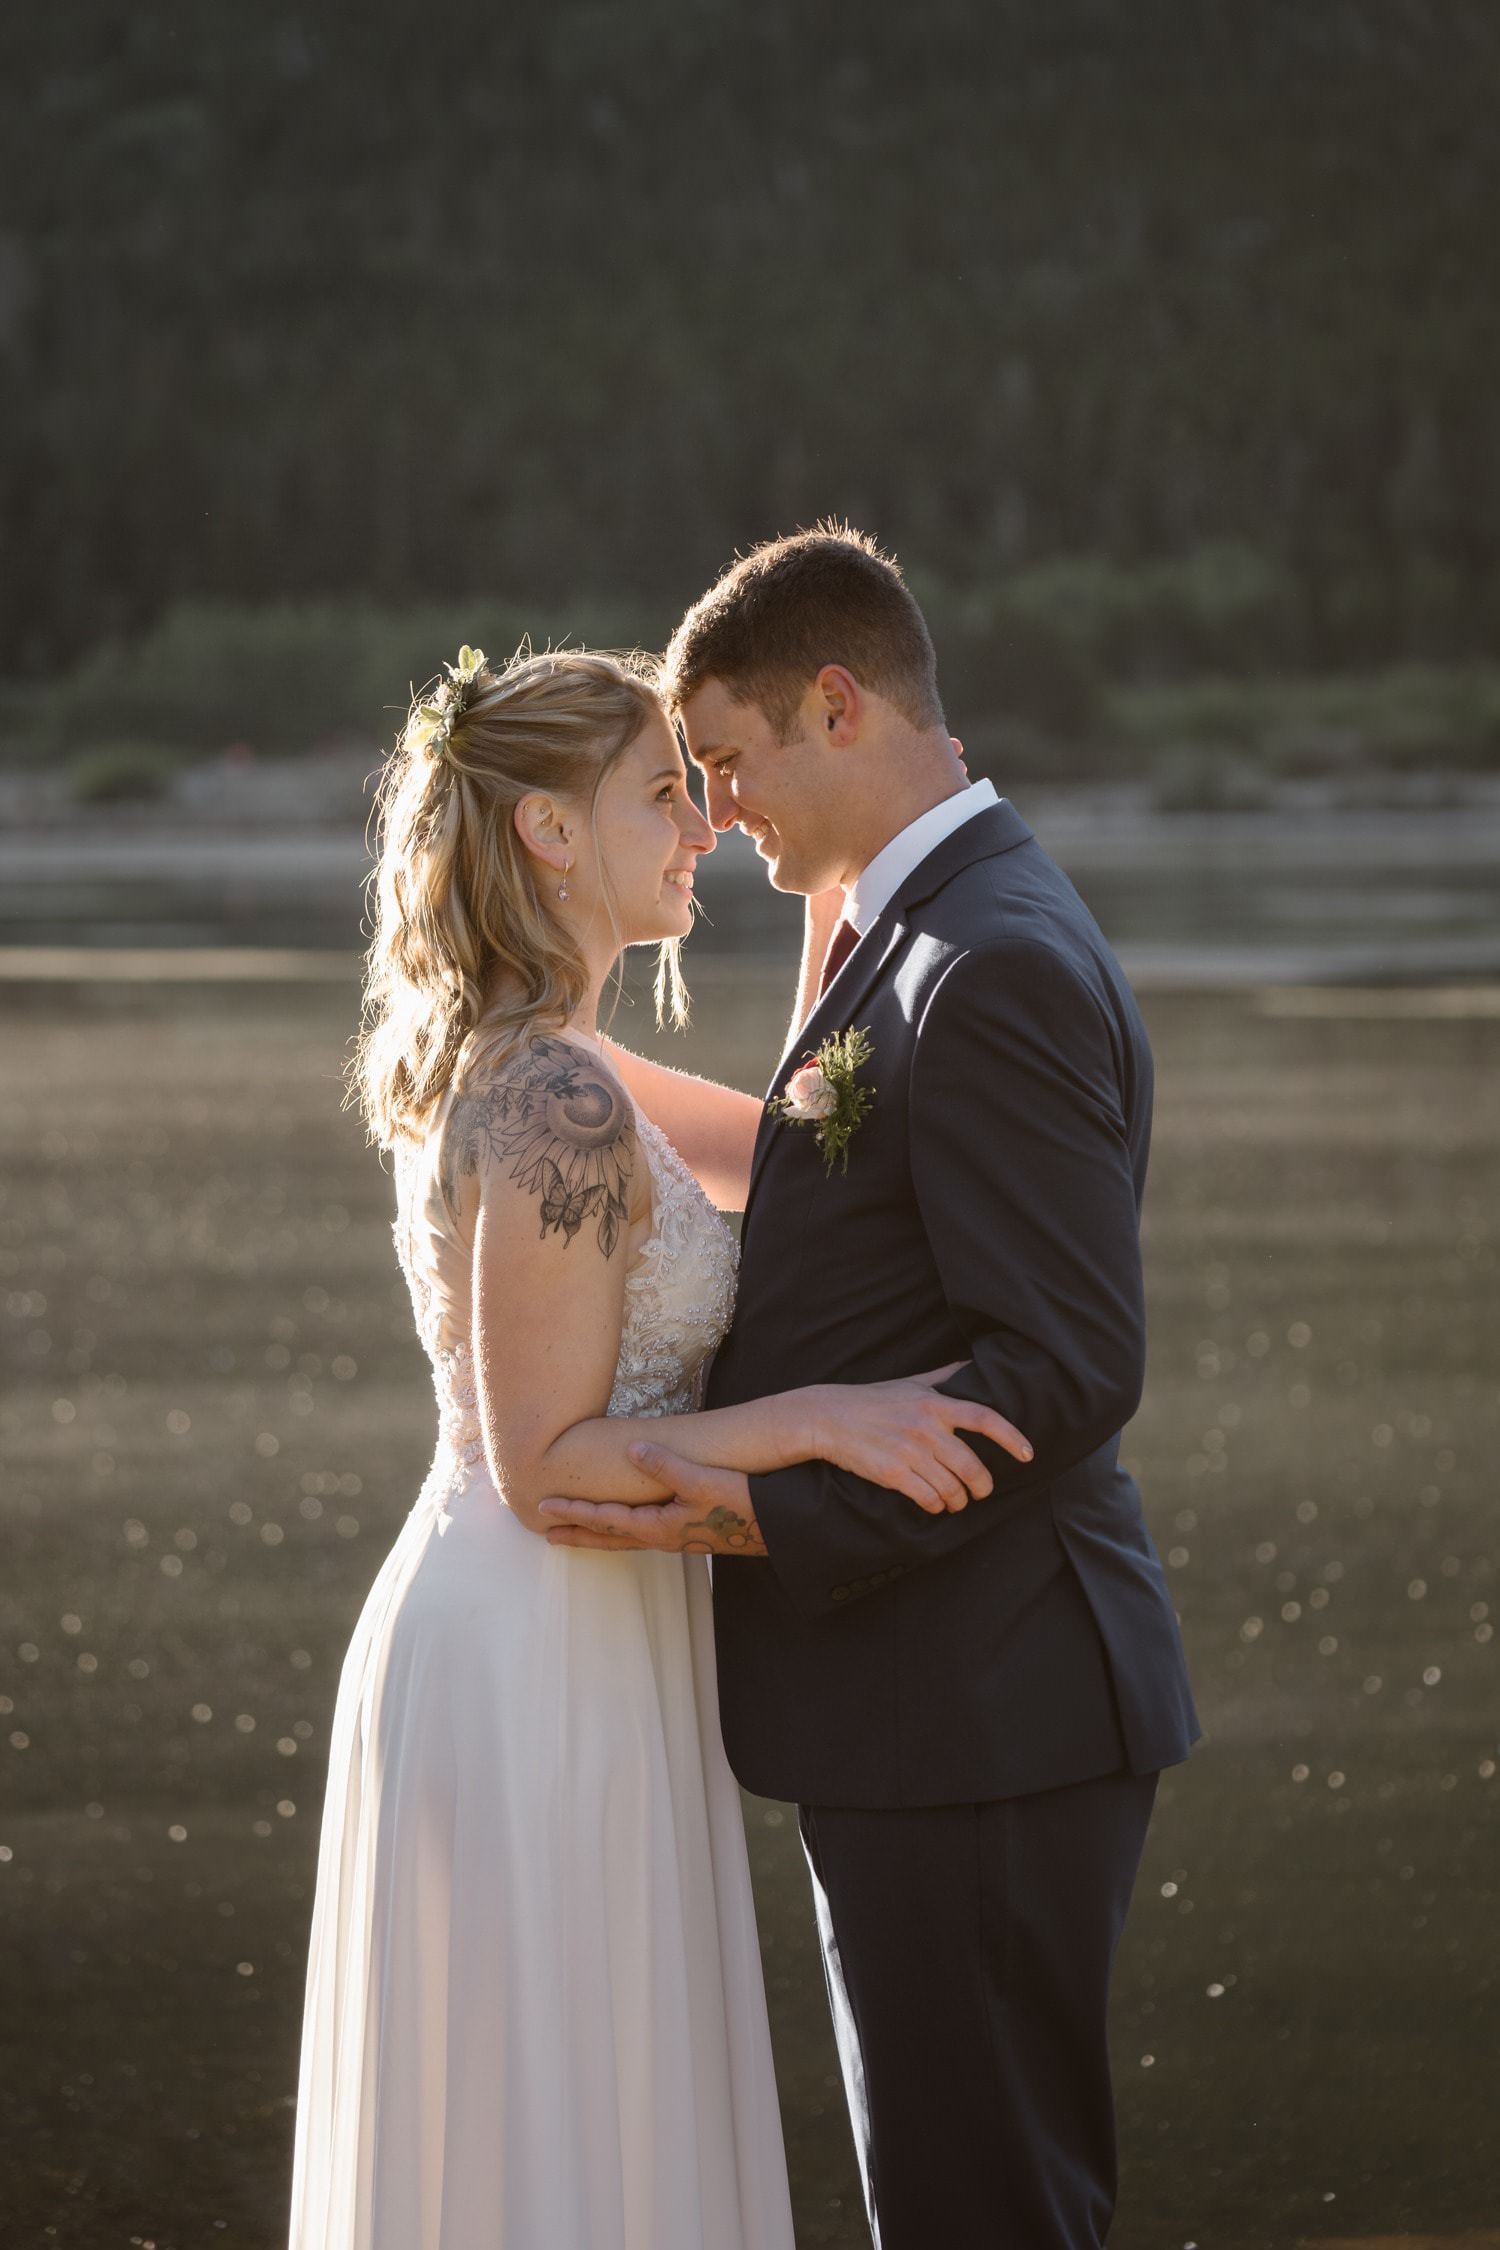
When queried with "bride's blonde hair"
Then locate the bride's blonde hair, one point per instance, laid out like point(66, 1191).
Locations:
point(459, 905)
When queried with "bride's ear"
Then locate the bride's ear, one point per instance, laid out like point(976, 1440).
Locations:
point(545, 830)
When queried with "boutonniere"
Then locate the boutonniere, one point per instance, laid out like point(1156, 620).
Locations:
point(825, 1095)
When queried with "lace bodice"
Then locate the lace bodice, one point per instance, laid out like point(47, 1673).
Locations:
point(679, 1297)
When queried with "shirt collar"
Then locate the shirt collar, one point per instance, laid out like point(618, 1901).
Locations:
point(876, 885)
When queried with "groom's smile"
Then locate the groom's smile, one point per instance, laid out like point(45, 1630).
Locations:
point(763, 834)
point(744, 762)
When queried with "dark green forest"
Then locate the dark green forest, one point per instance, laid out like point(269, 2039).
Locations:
point(1159, 339)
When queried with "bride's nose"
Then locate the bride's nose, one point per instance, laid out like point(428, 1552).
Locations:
point(697, 834)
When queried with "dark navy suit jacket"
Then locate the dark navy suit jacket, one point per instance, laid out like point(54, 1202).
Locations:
point(990, 1213)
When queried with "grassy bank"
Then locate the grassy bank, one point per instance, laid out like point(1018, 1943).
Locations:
point(1086, 673)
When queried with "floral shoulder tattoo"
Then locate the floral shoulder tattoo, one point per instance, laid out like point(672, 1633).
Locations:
point(566, 1130)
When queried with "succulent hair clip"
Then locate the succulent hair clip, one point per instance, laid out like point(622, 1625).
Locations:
point(433, 719)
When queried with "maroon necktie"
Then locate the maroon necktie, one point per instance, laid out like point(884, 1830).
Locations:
point(845, 939)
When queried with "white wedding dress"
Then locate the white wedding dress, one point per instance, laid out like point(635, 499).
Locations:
point(535, 2018)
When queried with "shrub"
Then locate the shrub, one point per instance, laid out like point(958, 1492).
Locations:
point(998, 661)
point(1039, 644)
point(1220, 607)
point(1208, 777)
point(290, 674)
point(1411, 718)
point(121, 773)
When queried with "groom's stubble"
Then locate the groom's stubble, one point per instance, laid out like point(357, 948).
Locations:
point(819, 801)
point(782, 790)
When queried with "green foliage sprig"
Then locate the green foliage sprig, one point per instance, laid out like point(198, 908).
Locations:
point(832, 1102)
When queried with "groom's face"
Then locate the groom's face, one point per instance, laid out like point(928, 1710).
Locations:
point(783, 794)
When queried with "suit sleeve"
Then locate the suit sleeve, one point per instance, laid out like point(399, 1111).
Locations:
point(1022, 1170)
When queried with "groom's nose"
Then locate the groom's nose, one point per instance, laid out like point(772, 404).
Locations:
point(719, 803)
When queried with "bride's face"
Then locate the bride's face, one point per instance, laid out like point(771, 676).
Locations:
point(651, 835)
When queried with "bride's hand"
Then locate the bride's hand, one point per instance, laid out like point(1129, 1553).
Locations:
point(904, 1435)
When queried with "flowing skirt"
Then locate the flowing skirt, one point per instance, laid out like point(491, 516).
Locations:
point(535, 2017)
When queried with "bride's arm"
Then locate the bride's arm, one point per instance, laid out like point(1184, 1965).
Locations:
point(902, 1435)
point(821, 912)
point(711, 1127)
point(560, 1178)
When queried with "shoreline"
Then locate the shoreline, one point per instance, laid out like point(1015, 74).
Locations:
point(1356, 981)
point(1304, 895)
point(1090, 825)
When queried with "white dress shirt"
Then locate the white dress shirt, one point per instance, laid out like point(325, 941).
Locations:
point(876, 885)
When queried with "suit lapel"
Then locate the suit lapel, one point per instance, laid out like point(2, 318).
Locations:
point(836, 1010)
point(998, 829)
point(847, 993)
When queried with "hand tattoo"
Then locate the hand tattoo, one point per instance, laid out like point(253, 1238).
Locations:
point(735, 1532)
point(566, 1128)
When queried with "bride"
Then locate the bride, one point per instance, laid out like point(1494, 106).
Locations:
point(534, 2015)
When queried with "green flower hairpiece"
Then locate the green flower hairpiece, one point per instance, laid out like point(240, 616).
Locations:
point(430, 726)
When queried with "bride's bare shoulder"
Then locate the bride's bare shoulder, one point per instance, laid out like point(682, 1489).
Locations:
point(553, 1123)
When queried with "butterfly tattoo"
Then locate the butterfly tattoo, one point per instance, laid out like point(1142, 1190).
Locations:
point(565, 1129)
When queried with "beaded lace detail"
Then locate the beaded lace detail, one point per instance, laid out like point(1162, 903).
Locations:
point(679, 1299)
point(679, 1295)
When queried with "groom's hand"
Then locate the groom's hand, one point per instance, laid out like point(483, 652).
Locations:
point(709, 1514)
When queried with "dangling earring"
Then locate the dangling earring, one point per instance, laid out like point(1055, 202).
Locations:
point(562, 888)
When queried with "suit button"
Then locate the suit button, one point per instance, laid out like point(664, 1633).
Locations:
point(842, 1593)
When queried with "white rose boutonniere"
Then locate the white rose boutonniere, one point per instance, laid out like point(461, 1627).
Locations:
point(808, 1094)
point(824, 1094)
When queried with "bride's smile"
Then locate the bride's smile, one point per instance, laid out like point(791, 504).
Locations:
point(649, 835)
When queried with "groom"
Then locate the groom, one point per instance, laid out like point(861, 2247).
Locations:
point(971, 1709)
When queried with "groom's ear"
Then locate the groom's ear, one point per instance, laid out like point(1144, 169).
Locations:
point(838, 706)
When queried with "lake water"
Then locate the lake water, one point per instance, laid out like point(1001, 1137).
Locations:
point(215, 1414)
point(1190, 899)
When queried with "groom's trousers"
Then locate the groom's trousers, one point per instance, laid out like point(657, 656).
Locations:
point(968, 1952)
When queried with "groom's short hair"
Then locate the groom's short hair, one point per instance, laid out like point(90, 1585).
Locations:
point(790, 606)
